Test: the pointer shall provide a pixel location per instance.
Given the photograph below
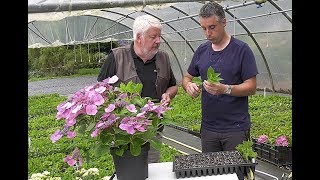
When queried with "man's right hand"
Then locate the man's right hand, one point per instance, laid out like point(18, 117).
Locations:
point(193, 90)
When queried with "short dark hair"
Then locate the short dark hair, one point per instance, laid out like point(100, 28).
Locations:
point(212, 9)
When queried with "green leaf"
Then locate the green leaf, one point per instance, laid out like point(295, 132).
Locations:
point(212, 76)
point(155, 122)
point(121, 150)
point(105, 137)
point(135, 148)
point(121, 139)
point(82, 129)
point(122, 86)
point(101, 149)
point(156, 144)
point(131, 87)
point(91, 126)
point(149, 134)
point(167, 121)
point(246, 150)
point(138, 88)
point(138, 101)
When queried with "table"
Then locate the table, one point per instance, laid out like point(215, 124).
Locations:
point(163, 171)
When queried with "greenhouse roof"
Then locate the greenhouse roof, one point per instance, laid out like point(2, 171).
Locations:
point(265, 25)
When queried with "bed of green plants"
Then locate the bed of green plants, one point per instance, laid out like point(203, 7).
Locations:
point(43, 155)
point(270, 115)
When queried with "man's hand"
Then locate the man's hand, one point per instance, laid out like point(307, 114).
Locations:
point(214, 88)
point(192, 89)
point(165, 98)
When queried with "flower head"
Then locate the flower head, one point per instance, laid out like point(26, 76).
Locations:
point(119, 115)
point(74, 158)
point(263, 139)
point(282, 141)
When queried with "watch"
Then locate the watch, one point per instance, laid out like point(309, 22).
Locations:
point(228, 90)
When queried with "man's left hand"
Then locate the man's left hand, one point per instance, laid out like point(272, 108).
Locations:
point(165, 98)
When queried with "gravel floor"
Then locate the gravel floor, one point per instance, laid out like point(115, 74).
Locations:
point(63, 86)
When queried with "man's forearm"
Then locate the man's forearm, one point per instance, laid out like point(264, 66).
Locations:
point(172, 91)
point(185, 82)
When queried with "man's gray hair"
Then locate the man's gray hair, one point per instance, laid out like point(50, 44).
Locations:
point(143, 23)
point(212, 9)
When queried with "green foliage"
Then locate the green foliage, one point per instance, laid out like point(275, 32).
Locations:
point(186, 111)
point(246, 150)
point(197, 80)
point(88, 71)
point(65, 60)
point(212, 76)
point(36, 105)
point(131, 87)
point(43, 155)
point(167, 153)
point(270, 115)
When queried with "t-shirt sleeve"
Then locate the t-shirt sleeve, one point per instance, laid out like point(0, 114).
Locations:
point(249, 66)
point(108, 68)
point(193, 68)
point(172, 81)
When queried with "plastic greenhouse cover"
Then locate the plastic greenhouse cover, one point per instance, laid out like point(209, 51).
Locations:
point(267, 29)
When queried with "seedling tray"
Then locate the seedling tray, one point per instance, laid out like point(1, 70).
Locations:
point(213, 163)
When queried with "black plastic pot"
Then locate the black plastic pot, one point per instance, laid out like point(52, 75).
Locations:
point(129, 167)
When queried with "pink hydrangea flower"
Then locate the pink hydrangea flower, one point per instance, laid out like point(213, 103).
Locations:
point(74, 158)
point(263, 139)
point(114, 116)
point(282, 141)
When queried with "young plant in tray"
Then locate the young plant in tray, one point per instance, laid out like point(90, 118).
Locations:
point(212, 76)
point(246, 150)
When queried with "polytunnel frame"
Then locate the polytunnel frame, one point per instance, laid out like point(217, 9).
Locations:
point(166, 42)
point(79, 6)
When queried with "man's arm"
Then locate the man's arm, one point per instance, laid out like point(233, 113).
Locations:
point(248, 87)
point(172, 90)
point(108, 68)
point(191, 88)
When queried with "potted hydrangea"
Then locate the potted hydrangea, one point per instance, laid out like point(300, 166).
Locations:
point(278, 153)
point(117, 117)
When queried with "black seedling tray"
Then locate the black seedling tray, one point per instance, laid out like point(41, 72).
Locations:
point(213, 163)
point(277, 155)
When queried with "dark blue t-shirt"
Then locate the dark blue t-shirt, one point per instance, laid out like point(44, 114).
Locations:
point(235, 63)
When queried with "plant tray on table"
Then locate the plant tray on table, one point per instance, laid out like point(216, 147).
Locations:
point(212, 163)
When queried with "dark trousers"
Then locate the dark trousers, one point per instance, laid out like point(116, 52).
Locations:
point(214, 142)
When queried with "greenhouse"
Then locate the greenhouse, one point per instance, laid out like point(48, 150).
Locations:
point(80, 26)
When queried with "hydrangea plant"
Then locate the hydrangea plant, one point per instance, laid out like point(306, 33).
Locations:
point(116, 117)
point(280, 141)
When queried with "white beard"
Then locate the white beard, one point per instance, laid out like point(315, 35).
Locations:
point(148, 54)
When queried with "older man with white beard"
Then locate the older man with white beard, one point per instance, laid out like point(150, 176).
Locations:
point(143, 62)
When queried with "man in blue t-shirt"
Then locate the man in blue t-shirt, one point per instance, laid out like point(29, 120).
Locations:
point(225, 116)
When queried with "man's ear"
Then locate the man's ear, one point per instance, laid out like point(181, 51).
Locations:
point(224, 22)
point(139, 35)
